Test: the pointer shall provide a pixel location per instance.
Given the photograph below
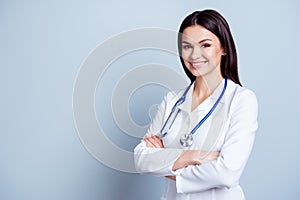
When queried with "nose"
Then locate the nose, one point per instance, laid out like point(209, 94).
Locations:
point(196, 53)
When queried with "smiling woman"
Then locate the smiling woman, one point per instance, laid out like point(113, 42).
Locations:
point(205, 51)
point(202, 136)
point(201, 53)
point(213, 26)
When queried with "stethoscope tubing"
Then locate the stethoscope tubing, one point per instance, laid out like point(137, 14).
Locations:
point(175, 111)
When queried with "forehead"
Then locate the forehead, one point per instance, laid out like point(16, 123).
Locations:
point(198, 33)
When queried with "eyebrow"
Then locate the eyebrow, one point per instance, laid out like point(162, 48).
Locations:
point(204, 40)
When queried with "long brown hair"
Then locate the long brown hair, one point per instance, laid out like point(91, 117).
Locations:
point(215, 23)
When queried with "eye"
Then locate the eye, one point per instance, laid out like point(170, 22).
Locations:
point(187, 46)
point(205, 45)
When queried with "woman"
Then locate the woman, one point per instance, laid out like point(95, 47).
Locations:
point(201, 144)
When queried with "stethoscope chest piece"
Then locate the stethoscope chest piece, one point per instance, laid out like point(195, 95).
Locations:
point(186, 140)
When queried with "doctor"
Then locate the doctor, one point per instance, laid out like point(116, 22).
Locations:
point(202, 136)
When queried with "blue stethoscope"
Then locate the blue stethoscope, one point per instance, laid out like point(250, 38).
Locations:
point(187, 139)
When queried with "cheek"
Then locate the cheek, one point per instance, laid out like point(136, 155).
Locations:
point(185, 54)
point(186, 63)
point(215, 55)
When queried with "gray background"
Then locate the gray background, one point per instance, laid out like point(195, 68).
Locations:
point(42, 46)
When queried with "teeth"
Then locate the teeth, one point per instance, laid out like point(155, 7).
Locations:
point(198, 63)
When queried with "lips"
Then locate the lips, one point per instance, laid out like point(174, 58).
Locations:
point(198, 64)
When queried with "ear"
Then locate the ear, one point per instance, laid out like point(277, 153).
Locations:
point(223, 52)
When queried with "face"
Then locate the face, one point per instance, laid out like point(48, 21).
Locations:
point(201, 51)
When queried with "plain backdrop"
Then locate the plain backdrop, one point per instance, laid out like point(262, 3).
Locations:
point(42, 46)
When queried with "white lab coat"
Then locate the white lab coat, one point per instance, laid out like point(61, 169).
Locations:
point(233, 137)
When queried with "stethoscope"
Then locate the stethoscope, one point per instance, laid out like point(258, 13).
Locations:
point(187, 140)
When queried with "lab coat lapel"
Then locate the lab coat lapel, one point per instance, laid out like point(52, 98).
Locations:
point(207, 103)
point(187, 104)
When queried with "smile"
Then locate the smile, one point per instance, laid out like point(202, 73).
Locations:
point(198, 64)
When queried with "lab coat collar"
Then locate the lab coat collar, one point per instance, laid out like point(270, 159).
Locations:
point(207, 103)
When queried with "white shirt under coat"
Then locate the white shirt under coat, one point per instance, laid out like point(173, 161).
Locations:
point(230, 129)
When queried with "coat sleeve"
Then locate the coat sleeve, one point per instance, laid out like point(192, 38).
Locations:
point(156, 161)
point(227, 169)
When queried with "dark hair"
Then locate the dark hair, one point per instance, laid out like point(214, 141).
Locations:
point(215, 23)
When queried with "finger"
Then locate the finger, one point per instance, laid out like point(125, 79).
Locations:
point(152, 142)
point(211, 155)
point(171, 177)
point(157, 141)
point(148, 142)
point(208, 158)
point(215, 153)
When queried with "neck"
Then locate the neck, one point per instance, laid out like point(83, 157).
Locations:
point(204, 86)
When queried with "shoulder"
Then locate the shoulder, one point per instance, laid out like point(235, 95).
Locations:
point(170, 99)
point(174, 95)
point(241, 97)
point(238, 92)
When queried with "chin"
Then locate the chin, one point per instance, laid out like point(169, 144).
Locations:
point(195, 72)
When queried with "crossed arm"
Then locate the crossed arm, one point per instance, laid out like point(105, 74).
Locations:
point(221, 169)
point(188, 157)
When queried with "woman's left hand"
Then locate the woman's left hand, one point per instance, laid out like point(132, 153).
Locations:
point(153, 142)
